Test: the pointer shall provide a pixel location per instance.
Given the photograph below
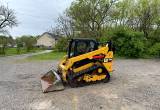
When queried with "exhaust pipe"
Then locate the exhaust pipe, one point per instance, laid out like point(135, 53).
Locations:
point(51, 81)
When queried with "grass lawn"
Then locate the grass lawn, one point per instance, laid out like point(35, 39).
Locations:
point(48, 56)
point(13, 51)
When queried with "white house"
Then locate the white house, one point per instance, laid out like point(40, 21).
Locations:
point(47, 40)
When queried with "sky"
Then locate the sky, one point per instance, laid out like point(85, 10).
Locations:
point(35, 16)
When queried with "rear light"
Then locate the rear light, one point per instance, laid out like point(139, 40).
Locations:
point(98, 56)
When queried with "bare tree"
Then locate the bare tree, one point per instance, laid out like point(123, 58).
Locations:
point(55, 30)
point(66, 26)
point(7, 18)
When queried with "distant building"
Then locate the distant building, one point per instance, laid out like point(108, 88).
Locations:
point(47, 40)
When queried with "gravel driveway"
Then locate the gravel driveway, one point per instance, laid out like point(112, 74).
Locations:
point(135, 85)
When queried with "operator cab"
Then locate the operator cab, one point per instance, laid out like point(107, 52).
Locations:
point(81, 46)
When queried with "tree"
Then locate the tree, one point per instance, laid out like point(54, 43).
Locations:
point(90, 16)
point(147, 12)
point(56, 31)
point(7, 18)
point(65, 26)
point(26, 41)
point(11, 41)
point(19, 45)
point(3, 44)
point(29, 42)
point(62, 44)
point(140, 15)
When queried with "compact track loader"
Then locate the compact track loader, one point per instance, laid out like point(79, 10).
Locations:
point(86, 62)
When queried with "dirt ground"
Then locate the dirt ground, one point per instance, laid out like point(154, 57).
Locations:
point(135, 85)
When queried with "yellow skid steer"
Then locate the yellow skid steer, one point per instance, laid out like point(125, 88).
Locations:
point(86, 62)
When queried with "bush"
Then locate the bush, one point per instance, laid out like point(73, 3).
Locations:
point(104, 39)
point(62, 45)
point(154, 36)
point(3, 44)
point(26, 41)
point(155, 50)
point(128, 43)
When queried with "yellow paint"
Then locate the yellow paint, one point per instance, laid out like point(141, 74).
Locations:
point(108, 66)
point(66, 64)
point(89, 78)
point(71, 61)
point(83, 67)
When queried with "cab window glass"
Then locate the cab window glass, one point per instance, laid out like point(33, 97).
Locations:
point(90, 46)
point(81, 48)
point(72, 49)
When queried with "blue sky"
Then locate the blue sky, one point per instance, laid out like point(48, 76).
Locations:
point(35, 16)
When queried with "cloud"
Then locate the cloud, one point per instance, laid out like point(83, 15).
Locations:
point(36, 16)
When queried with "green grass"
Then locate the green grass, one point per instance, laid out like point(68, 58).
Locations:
point(48, 56)
point(13, 51)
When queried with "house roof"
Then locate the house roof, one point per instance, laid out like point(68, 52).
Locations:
point(50, 34)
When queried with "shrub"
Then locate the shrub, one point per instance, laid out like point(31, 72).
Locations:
point(103, 39)
point(3, 44)
point(26, 41)
point(106, 35)
point(155, 50)
point(154, 36)
point(128, 43)
point(62, 45)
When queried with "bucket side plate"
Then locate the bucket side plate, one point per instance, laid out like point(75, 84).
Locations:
point(51, 81)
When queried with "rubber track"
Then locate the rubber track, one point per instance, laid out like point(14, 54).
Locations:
point(88, 70)
point(74, 76)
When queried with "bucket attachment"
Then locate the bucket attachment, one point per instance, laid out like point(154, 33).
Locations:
point(51, 81)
